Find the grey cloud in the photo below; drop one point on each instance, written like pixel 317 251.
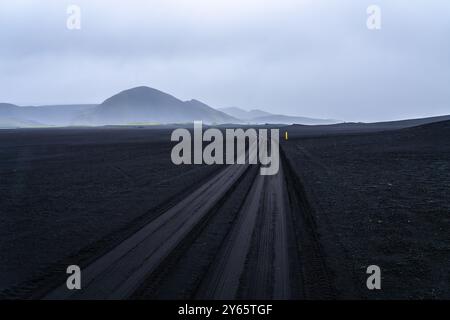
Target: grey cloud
pixel 309 58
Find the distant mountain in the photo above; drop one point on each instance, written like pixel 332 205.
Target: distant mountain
pixel 144 105
pixel 11 117
pixel 58 115
pixel 261 117
pixel 148 105
pixel 140 105
pixel 282 119
pixel 243 114
pixel 349 127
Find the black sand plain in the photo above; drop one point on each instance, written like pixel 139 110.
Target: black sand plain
pixel 356 198
pixel 383 199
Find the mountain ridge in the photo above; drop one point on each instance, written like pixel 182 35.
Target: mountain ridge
pixel 261 117
pixel 145 105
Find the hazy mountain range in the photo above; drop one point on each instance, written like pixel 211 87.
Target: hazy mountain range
pixel 261 117
pixel 57 115
pixel 140 105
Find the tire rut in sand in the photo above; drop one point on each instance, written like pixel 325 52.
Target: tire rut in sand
pixel 117 274
pixel 181 274
pixel 316 277
pixel 255 260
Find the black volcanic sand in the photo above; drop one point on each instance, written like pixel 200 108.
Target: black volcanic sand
pixel 64 192
pixel 68 195
pixel 382 199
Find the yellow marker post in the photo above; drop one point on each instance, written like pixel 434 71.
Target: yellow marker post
pixel 286 135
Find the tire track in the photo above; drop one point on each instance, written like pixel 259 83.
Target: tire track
pixel 278 197
pixel 255 259
pixel 182 272
pixel 316 279
pixel 223 280
pixel 119 272
pixel 271 250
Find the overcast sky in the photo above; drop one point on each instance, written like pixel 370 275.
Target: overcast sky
pixel 299 57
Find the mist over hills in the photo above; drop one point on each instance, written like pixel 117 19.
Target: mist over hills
pixel 36 116
pixel 140 105
pixel 145 105
pixel 244 114
pixel 148 105
pixel 257 116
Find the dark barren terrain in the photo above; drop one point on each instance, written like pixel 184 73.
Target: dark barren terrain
pixel 110 200
pixel 69 193
pixel 383 199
